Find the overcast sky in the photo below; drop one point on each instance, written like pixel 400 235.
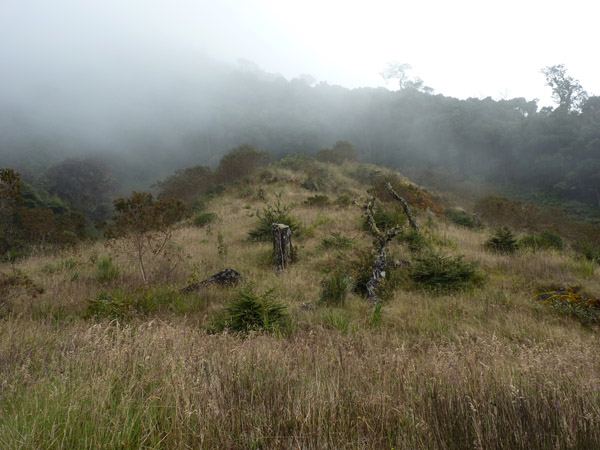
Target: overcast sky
pixel 460 48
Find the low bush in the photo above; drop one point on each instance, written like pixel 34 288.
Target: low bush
pixel 588 249
pixel 344 201
pixel 545 240
pixel 318 201
pixel 502 241
pixel 416 242
pixel 439 273
pixel 463 218
pixel 251 312
pixel 385 219
pixel 336 287
pixel 203 219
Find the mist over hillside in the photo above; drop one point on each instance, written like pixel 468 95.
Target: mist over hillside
pixel 145 121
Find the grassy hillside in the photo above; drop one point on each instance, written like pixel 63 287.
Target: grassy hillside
pixel 92 358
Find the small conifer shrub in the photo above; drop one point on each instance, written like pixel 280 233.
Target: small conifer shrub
pixel 502 241
pixel 439 273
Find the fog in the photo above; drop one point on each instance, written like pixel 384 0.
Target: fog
pixel 181 82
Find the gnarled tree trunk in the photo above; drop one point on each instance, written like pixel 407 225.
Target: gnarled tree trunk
pixel 380 264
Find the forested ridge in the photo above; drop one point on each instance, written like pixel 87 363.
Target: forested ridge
pixel 198 119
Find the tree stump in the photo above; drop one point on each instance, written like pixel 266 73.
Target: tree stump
pixel 283 251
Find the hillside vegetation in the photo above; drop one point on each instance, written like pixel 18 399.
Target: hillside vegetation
pixel 472 346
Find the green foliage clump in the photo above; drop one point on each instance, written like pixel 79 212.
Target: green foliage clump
pixel 502 241
pixel 545 240
pixel 203 219
pixel 337 241
pixel 463 218
pixel 318 201
pixel 437 273
pixel 106 270
pixel 385 219
pixel 273 213
pixel 416 242
pixel 251 312
pixel 336 287
pixel 314 183
pixel 344 201
pixel 588 249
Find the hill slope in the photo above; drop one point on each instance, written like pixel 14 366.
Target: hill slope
pixel 90 359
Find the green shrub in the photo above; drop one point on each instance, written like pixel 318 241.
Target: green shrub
pixel 337 241
pixel 336 288
pixel 106 270
pixel 462 218
pixel 250 312
pixel 385 219
pixel 273 213
pixel 203 219
pixel 317 201
pixel 439 273
pixel 502 241
pixel 547 239
pixel 588 249
pixel 313 183
pixel 344 201
pixel 415 241
pixel 360 268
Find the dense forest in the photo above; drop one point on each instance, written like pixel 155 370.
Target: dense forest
pixel 78 156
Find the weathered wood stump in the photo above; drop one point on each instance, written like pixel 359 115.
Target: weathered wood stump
pixel 283 251
pixel 227 277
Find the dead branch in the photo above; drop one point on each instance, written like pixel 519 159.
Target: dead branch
pixel 411 220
